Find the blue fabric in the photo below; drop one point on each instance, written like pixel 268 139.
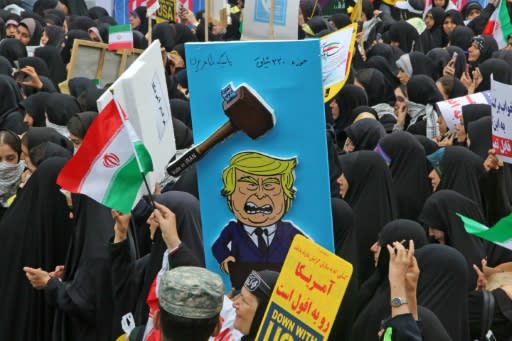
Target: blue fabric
pixel 243 248
pixel 121 12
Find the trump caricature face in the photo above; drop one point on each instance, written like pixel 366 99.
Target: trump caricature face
pixel 258 200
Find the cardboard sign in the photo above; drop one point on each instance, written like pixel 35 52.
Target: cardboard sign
pixel 451 110
pixel 336 50
pixel 263 23
pixel 93 60
pixel 167 10
pixel 142 93
pixel 278 181
pixel 307 294
pixel 501 120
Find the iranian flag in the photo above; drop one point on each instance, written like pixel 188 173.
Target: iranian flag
pixel 500 234
pixel 110 164
pixel 120 37
pixel 499 25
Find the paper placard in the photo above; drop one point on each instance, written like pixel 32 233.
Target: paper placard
pixel 307 295
pixel 451 109
pixel 336 51
pixel 502 120
pixel 259 26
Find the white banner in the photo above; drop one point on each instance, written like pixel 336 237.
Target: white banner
pixel 142 92
pixel 502 120
pixel 257 20
pixel 451 110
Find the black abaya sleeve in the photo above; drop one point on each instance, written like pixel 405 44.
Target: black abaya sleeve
pixel 184 257
pixel 56 294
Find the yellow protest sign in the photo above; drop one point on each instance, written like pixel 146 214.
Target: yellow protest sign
pixel 307 294
pixel 166 11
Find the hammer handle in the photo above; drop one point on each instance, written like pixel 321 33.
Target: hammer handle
pixel 192 155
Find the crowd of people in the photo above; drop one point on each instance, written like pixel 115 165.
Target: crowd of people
pixel 398 173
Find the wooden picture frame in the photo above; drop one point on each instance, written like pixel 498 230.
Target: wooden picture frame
pixel 93 60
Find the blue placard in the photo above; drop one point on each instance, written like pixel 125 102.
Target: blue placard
pixel 262 8
pixel 287 76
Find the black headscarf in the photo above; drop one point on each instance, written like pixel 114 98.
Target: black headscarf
pixel 82 23
pixel 12 49
pixel 340 20
pixel 38 135
pixel 183 34
pixel 139 41
pixel 35 232
pixel 61 107
pixel 439 213
pixel 10 115
pixel 5 66
pixel 422 89
pixel 180 109
pixel 87 278
pixel 439 58
pixel 70 38
pixel 374 293
pixel 85 118
pixel 166 34
pixel 348 98
pixel 406 35
pixel 55 35
pixel 409 171
pixel 487 46
pixel 372 199
pixel 376 86
pixel 51 55
pixel 436 32
pixel 455 15
pixel 480 136
pixel 460 61
pixel 37 63
pixel 365 133
pixel 46 150
pixel 188 222
pixel 34 106
pixel 432 328
pixel 472 112
pixel 383 50
pixel 388 69
pixel 140 12
pixel 443 287
pixel 428 145
pixel 421 64
pixel 461 36
pixel 97 12
pixel 78 85
pixel 497 67
pixel 461 171
pixel 506 55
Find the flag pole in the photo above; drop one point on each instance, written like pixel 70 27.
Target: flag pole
pixel 149 196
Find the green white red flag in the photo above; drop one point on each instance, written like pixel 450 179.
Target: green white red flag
pixel 499 25
pixel 120 37
pixel 110 164
pixel 500 233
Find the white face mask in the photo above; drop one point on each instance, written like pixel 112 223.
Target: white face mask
pixel 10 176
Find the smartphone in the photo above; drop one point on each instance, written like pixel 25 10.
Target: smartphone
pixel 466 68
pixel 454 57
pixel 21 77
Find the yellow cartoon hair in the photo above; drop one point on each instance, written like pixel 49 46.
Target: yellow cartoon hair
pixel 260 164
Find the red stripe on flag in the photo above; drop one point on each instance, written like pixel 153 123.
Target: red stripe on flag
pixel 489 28
pixel 104 128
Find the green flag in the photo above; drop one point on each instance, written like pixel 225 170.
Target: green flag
pixel 500 233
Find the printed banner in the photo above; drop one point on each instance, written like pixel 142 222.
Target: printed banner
pixel 451 109
pixel 270 175
pixel 257 20
pixel 336 51
pixel 307 294
pixel 502 120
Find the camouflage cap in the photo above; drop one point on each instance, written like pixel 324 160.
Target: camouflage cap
pixel 191 292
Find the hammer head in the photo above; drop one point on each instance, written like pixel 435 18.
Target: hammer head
pixel 248 112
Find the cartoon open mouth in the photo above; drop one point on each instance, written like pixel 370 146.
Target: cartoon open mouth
pixel 251 208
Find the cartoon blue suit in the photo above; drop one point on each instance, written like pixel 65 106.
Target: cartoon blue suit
pixel 245 251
